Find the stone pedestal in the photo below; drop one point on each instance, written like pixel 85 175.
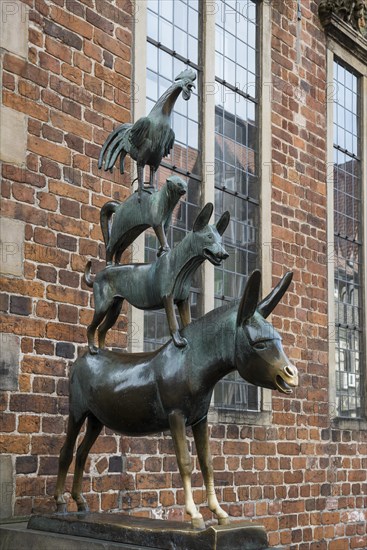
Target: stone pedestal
pixel 141 533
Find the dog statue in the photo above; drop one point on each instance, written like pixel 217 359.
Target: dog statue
pixel 163 283
pixel 132 217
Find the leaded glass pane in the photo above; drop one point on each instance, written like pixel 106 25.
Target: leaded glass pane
pixel 236 175
pixel 348 275
pixel 167 43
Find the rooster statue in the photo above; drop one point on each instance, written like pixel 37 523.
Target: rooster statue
pixel 151 138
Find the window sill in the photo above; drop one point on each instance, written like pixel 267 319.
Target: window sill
pixel 357 424
pixel 246 418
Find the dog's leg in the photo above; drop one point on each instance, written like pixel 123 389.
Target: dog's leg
pixel 172 322
pixel 161 236
pixel 185 312
pixel 109 321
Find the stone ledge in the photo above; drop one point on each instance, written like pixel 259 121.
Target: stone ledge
pixel 16 536
pixel 144 533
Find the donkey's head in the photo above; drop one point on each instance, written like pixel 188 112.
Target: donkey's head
pixel 207 239
pixel 260 358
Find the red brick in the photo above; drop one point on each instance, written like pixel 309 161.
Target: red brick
pixel 70 21
pixel 25 105
pixel 49 150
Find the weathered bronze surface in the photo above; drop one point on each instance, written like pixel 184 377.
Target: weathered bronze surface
pixel 171 388
pixel 132 217
pixel 165 282
pixel 149 533
pixel 151 138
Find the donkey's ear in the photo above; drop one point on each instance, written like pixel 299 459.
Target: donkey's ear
pixel 250 298
pixel 203 217
pixel 267 305
pixel 223 222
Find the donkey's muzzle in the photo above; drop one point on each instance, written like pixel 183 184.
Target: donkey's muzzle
pixel 286 379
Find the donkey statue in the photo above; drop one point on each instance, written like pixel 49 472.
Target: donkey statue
pixel 171 388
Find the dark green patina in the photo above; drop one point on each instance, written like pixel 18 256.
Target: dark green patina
pixel 171 388
pixel 151 138
pixel 165 282
pixel 132 217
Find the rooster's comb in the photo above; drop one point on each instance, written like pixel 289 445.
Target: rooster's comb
pixel 187 74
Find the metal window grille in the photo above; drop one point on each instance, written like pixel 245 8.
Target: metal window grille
pixel 173 44
pixel 236 170
pixel 348 275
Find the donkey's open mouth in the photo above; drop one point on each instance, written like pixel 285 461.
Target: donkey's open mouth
pixel 214 259
pixel 282 385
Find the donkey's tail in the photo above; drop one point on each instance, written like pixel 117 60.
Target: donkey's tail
pixel 106 213
pixel 87 279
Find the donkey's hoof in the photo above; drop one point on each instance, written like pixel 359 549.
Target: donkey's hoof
pixel 82 507
pixel 198 523
pixel 224 521
pixel 61 508
pixel 93 350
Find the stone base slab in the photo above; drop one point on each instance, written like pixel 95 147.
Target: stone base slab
pixel 97 531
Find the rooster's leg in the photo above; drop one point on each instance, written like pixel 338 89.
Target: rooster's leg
pixel 140 180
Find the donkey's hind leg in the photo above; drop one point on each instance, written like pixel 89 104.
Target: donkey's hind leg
pixel 94 428
pixel 66 456
pixel 109 321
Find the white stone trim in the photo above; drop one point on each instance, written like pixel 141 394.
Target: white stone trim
pixel 136 316
pixel 265 163
pixel 14 27
pixel 208 143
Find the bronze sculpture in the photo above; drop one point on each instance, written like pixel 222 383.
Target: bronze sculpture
pixel 163 283
pixel 171 388
pixel 151 138
pixel 131 218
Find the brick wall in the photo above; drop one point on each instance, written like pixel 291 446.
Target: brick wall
pixel 303 478
pixel 73 84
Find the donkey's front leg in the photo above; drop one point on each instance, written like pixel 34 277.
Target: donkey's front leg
pixel 201 437
pixel 178 431
pixel 172 322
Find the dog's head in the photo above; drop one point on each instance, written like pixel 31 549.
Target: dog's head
pixel 207 239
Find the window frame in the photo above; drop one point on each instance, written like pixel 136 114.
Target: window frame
pixel 206 61
pixel 335 50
